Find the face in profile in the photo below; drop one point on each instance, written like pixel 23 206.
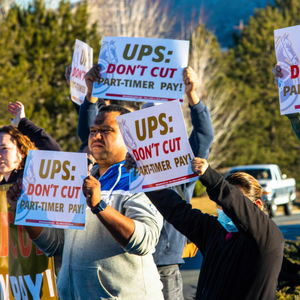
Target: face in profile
pixel 105 140
pixel 10 156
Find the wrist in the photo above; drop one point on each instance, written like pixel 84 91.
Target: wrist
pixel 193 98
pixel 91 99
pixel 98 207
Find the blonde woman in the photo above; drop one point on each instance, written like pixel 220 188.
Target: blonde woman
pixel 242 248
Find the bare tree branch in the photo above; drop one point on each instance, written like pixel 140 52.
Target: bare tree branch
pixel 225 118
pixel 143 18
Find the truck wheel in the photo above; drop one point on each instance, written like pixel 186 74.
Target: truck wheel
pixel 288 208
pixel 272 208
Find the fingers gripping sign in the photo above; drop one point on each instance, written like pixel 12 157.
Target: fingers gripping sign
pixel 277 71
pixel 14 193
pixel 68 74
pixel 199 165
pixel 92 191
pixel 93 75
pixel 130 163
pixel 190 80
pixel 17 109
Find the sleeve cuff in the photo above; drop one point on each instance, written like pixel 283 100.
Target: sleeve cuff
pixel 88 104
pixel 22 123
pixel 138 243
pixel 210 177
pixel 198 107
pixel 133 243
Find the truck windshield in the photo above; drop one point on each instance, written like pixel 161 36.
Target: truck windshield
pixel 256 173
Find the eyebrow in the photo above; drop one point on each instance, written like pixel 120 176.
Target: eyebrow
pixel 101 127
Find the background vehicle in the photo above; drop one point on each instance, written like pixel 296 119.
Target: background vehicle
pixel 277 189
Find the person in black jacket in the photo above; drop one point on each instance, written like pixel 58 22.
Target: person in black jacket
pixel 242 248
pixel 37 135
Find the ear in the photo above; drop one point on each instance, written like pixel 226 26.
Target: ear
pixel 259 203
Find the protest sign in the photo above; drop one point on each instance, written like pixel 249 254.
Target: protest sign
pixel 52 190
pixel 287 47
pixel 82 62
pixel 157 139
pixel 25 272
pixel 141 69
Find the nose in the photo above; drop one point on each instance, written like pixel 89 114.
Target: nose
pixel 95 133
pixel 98 134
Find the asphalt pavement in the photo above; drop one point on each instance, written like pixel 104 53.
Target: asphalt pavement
pixel 289 226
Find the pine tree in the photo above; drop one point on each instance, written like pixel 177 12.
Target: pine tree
pixel 210 63
pixel 36 46
pixel 265 136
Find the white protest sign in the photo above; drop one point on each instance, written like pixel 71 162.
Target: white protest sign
pixel 82 62
pixel 287 47
pixel 157 139
pixel 52 190
pixel 141 69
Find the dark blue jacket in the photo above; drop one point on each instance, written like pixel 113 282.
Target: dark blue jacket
pixel 171 242
pixel 295 122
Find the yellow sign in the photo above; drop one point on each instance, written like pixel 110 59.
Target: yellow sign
pixel 25 272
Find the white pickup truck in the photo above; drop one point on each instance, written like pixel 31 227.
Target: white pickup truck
pixel 277 189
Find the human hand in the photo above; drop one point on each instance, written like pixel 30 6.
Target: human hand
pixel 14 193
pixel 199 165
pixel 277 71
pixel 68 74
pixel 17 110
pixel 90 77
pixel 190 79
pixel 91 189
pixel 130 163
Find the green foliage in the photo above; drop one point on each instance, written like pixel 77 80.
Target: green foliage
pixel 289 279
pixel 265 136
pixel 285 294
pixel 199 189
pixel 36 44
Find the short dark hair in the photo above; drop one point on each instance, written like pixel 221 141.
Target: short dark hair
pixel 135 105
pixel 113 108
